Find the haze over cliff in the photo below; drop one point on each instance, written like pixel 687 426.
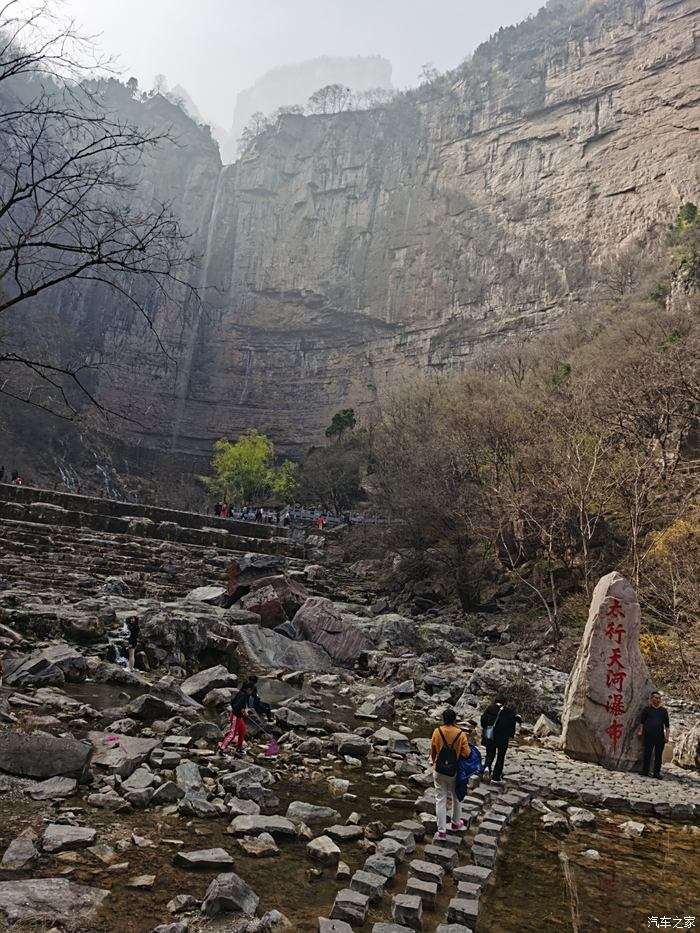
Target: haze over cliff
pixel 344 253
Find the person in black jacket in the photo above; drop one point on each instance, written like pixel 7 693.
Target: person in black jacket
pixel 654 729
pixel 245 701
pixel 498 728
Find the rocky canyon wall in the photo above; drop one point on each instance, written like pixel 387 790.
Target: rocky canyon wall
pixel 343 255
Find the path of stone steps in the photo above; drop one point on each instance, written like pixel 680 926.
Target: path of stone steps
pixel 413 882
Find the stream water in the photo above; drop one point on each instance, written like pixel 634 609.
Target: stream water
pixel 657 874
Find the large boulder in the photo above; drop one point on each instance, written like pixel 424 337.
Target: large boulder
pixel 85 629
pixel 242 572
pixel 291 593
pixel 51 666
pixel 266 603
pixel 228 894
pixel 320 622
pixel 40 755
pixel 49 901
pixel 262 648
pixel 198 685
pixel 609 684
pixel 686 748
pixel 120 754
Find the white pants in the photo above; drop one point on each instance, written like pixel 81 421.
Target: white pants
pixel 444 788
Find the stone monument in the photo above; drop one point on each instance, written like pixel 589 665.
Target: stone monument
pixel 609 684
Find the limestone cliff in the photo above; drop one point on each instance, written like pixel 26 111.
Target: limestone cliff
pixel 344 254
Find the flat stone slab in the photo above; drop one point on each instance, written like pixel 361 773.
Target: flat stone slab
pixel 369 883
pixel 204 858
pixel 489 842
pixel 468 889
pixel 449 842
pixel 254 825
pixel 414 827
pixel 404 837
pixel 391 847
pixel 453 928
pixel 50 900
pixel 345 833
pixel 54 788
pixel 60 838
pixel 20 853
pixel 323 850
pixel 426 871
pixel 463 910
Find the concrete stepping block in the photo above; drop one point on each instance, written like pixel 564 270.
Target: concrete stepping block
pixel 487 828
pixel 333 926
pixel 426 871
pixel 381 865
pixel 451 841
pixel 447 858
pixel 403 836
pixel 474 874
pixel 463 910
pixel 499 810
pixel 426 890
pixel 367 882
pixel 408 910
pixel 453 928
pixel 429 821
pixel 390 928
pixel 518 799
pixel 412 826
pixel 483 839
pixel 392 848
pixel 469 889
pixel 351 906
pixel 484 856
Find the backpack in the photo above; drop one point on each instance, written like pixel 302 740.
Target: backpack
pixel 465 769
pixel 489 730
pixel 446 761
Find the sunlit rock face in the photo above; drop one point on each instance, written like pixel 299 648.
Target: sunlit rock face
pixel 344 255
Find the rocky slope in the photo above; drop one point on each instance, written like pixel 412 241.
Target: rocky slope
pixel 345 254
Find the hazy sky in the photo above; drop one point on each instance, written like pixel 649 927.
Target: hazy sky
pixel 215 48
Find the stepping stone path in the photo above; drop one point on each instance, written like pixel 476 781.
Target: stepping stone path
pixel 461 864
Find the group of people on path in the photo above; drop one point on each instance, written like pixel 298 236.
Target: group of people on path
pixel 450 748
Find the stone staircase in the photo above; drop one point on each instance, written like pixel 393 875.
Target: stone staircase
pixel 72 546
pixel 25 504
pixel 416 883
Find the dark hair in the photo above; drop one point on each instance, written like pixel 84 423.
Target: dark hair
pixel 655 693
pixel 449 716
pixel 501 699
pixel 253 679
pixel 248 685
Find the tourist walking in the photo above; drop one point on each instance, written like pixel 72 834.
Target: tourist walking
pixel 654 730
pixel 448 745
pixel 134 632
pixel 243 703
pixel 498 723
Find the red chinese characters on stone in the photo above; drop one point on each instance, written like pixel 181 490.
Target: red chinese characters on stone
pixel 616 704
pixel 615 632
pixel 614 730
pixel 615 610
pixel 616 672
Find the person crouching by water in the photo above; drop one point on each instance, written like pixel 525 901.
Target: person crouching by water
pixel 448 745
pixel 243 703
pixel 134 632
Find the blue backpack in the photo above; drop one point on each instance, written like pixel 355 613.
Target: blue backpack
pixel 465 769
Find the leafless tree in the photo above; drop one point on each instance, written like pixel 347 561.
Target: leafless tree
pixel 71 214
